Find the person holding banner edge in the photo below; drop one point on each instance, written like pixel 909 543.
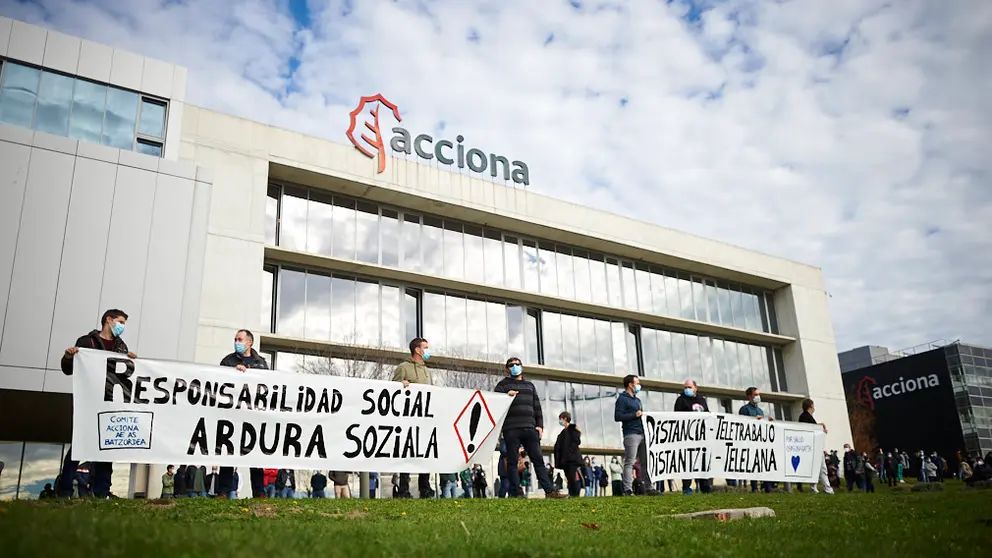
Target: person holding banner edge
pixel 414 371
pixel 627 411
pixel 524 426
pixel 807 417
pixel 751 409
pixel 691 401
pixel 243 358
pixel 108 338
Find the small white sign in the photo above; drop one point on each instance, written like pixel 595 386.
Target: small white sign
pixel 125 430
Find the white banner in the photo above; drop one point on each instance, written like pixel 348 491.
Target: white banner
pixel 151 411
pixel 711 445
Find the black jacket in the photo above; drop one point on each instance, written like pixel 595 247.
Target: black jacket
pixel 807 418
pixel 256 361
pixel 92 341
pixel 318 481
pixel 525 411
pixel 179 488
pixel 687 404
pixel 339 478
pixel 284 478
pixel 567 450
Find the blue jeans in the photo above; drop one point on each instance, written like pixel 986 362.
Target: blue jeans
pixel 448 490
pixel 467 488
pixel 590 488
pixel 270 491
pixel 531 442
pixel 197 494
pixel 287 493
pixel 318 494
pixel 504 487
pixel 232 495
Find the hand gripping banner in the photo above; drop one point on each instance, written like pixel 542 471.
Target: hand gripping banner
pixel 152 411
pixel 711 445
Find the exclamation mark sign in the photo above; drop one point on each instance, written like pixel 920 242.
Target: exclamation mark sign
pixel 473 425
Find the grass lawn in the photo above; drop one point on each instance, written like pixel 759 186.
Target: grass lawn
pixel 949 523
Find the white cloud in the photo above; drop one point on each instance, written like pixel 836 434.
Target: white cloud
pixel 750 126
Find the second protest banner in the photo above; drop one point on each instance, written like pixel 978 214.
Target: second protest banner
pixel 711 445
pixel 151 411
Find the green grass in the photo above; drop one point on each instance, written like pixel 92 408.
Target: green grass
pixel 948 523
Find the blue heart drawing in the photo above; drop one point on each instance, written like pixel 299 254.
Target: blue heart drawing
pixel 795 463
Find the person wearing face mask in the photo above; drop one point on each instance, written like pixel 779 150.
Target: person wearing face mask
pixel 807 417
pixel 414 371
pixel 628 411
pixel 524 426
pixel 107 338
pixel 616 473
pixel 243 358
pixel 690 401
pixel 751 409
pixel 568 455
pixel 854 469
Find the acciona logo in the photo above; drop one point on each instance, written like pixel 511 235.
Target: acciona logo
pixel 424 146
pixel 869 391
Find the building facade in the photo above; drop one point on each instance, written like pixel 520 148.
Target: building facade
pixel 200 223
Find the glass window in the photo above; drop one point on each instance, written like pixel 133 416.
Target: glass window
pixel 344 228
pixel 692 358
pixel 475 269
pixel 532 336
pixel 679 357
pixel 411 303
pixel 389 231
pixel 318 313
pixel 723 301
pixel 594 435
pixel 597 279
pixel 763 310
pixel 367 232
pixel 392 327
pixel 456 326
pixel 511 257
pixel 272 215
pixel 556 402
pixel 496 321
pixel 699 299
pixel 268 275
pixel 643 278
pixel 783 385
pixel 434 322
pixel 18 94
pixel 10 454
pixel 615 291
pixel 367 326
pixel 612 434
pixel 41 464
pixel 747 372
pixel 732 361
pixel 152 119
pixel 570 342
pixel 292 303
pixel 515 333
pixel 293 222
pixel 89 102
pixel 719 366
pixel 476 345
pixel 343 310
pixel 319 218
pixel 737 307
pixel 410 232
pixel 566 272
pixel 119 119
pixel 752 312
pixel 551 330
pixel 546 268
pixel 149 148
pixel 665 357
pixel 587 345
pixel 659 300
pixel 633 359
pixel 531 265
pixel 492 255
pixel 673 301
pixel 685 294
pixel 629 288
pixel 649 349
pixel 712 301
pixel 54 98
pixel 622 365
pixel 604 347
pixel 759 366
pixel 454 250
pixel 706 359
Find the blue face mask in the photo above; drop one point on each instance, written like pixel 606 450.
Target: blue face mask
pixel 516 370
pixel 427 354
pixel 117 329
pixel 689 392
pixel 637 388
pixel 561 423
pixel 239 347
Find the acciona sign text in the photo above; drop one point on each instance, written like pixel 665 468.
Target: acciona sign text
pixel 372 145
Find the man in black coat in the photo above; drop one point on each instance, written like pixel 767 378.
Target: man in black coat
pixel 568 456
pixel 107 338
pixel 524 426
pixel 807 417
pixel 691 402
pixel 243 358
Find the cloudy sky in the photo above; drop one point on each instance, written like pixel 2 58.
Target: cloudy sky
pixel 853 135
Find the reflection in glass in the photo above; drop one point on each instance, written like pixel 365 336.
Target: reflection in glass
pixel 629 288
pixel 708 368
pixel 41 464
pixel 271 215
pixel 343 310
pixel 699 299
pixel 737 307
pixel 476 345
pixel 268 274
pixel 531 266
pixel 679 358
pixel 343 229
pixel 531 321
pixel 759 366
pixel 566 272
pixel 672 299
pixel 685 296
pixel 89 100
pixel 367 232
pixel 665 356
pixel 659 300
pixel 515 332
pixel 512 258
pixel 712 301
pixel 612 433
pixel 10 454
pixel 492 258
pixel 597 279
pixel 546 269
pixel 604 347
pixel 18 94
pixel 555 404
pixel 649 348
pixel 411 303
pixel 621 365
pixel 752 312
pixel 723 302
pixel 747 371
pixel 411 242
pixel 152 119
pixel 631 340
pixel 119 120
pixel 551 330
pixel 570 342
pixel 293 224
pixel 475 268
pixel 320 223
pixel 614 290
pixel 769 299
pixel 497 327
pixel 594 416
pixel 456 328
pixel 583 285
pixel 318 312
pixel 292 303
pixel 392 327
pixel 719 363
pixel 54 97
pixel 454 250
pixel 643 280
pixel 587 345
pixel 155 150
pixel 389 229
pixel 731 360
pixel 367 313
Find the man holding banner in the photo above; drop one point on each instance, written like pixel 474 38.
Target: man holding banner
pixel 807 417
pixel 243 358
pixel 690 401
pixel 628 411
pixel 414 371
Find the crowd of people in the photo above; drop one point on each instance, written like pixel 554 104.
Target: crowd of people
pixel 521 464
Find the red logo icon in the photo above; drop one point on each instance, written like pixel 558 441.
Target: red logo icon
pixel 474 424
pixel 375 142
pixel 863 395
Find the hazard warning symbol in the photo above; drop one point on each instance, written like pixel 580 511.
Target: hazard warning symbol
pixel 474 424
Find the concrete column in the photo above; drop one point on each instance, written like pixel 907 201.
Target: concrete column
pixel 363 485
pixel 155 473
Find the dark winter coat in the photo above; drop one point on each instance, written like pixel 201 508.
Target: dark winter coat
pixel 690 404
pixel 625 412
pixel 567 450
pixel 525 411
pixel 254 361
pixel 92 340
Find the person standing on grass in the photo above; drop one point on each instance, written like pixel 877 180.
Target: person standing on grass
pixel 414 371
pixel 854 468
pixel 590 481
pixel 107 338
pixel 341 489
pixel 318 485
pixel 691 402
pixel 616 473
pixel 891 472
pixel 449 485
pixel 870 472
pixel 604 480
pixel 479 482
pixel 466 478
pixel 627 411
pixel 807 418
pixel 568 455
pixel 751 409
pixel 243 358
pixel 524 426
pixel 169 482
